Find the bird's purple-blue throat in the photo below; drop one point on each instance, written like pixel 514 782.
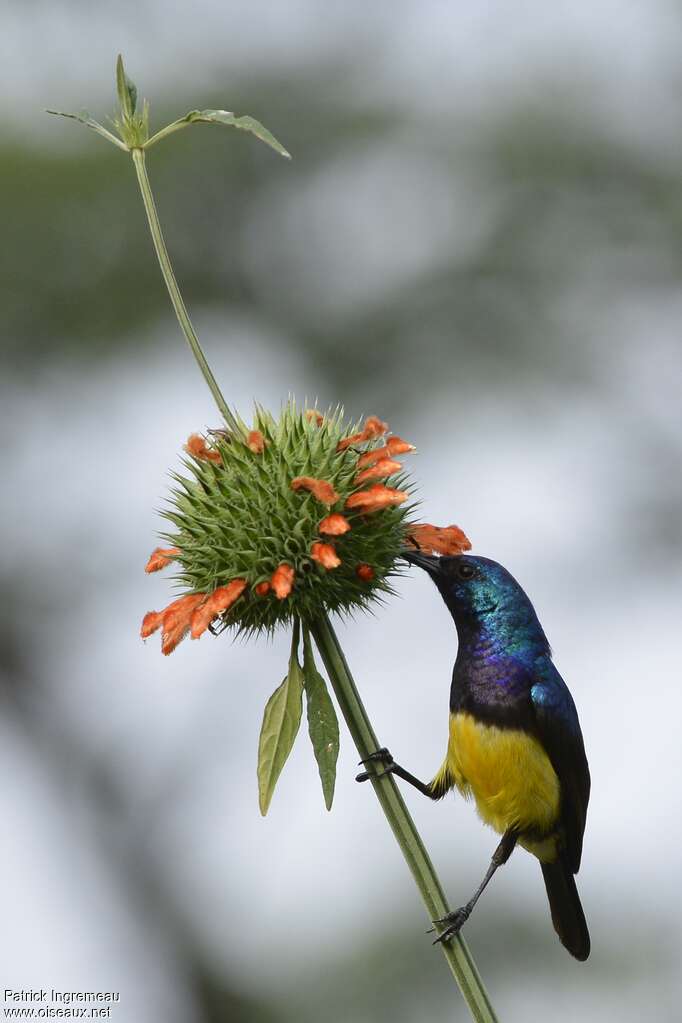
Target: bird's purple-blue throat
pixel 515 744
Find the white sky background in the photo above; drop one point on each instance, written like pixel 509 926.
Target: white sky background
pixel 431 52
pixel 536 487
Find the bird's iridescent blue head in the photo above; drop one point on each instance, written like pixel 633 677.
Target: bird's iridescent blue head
pixel 481 593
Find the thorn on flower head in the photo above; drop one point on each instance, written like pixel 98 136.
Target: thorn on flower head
pixel 325 555
pixel 381 469
pixel 321 490
pixel 378 496
pixel 282 581
pixel 334 525
pixel 160 557
pixel 449 540
pixel 196 446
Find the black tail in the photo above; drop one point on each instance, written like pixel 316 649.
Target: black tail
pixel 567 913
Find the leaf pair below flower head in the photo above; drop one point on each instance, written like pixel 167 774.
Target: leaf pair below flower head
pixel 282 719
pixel 323 725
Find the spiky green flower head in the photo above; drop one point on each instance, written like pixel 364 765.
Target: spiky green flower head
pixel 298 515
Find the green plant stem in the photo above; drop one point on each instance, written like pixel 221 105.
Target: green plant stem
pixel 163 133
pixel 408 838
pixel 174 291
pixel 359 725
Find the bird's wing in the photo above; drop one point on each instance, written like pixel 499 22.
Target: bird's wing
pixel 559 731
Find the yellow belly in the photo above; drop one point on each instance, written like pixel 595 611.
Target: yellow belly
pixel 509 776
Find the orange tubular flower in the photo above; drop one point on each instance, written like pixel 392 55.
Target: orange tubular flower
pixel 370 457
pixel 321 490
pixel 397 446
pixel 176 620
pixel 449 540
pixel 201 619
pixel 334 525
pixel 282 581
pixel 374 427
pixel 219 601
pixel 394 446
pixel 160 557
pixel 194 612
pixel 375 498
pixel 313 416
pixel 150 623
pixel 261 589
pixel 256 442
pixel 325 554
pixel 381 469
pixel 365 572
pixel 196 446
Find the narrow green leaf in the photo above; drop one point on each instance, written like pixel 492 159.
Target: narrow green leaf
pixel 323 724
pixel 127 90
pixel 229 120
pixel 281 721
pixel 244 123
pixel 84 118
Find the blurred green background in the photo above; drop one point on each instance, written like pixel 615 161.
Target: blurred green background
pixel 479 238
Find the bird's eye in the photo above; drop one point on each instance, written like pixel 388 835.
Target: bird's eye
pixel 466 571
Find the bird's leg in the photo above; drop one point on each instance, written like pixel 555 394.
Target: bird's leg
pixel 382 756
pixel 455 921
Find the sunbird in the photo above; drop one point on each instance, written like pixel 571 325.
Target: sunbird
pixel 515 744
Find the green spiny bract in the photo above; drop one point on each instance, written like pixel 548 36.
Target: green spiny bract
pixel 240 518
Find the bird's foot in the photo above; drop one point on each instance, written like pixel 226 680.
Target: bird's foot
pixel 380 756
pixel 452 923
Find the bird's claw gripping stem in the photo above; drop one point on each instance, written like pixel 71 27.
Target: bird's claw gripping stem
pixel 453 923
pixel 383 756
pixel 380 756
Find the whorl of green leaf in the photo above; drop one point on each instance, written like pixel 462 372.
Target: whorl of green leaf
pixel 131 124
pixel 241 519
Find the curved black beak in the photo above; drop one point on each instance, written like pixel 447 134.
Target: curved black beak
pixel 428 562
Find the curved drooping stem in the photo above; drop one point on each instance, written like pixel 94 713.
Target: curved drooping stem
pixel 174 291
